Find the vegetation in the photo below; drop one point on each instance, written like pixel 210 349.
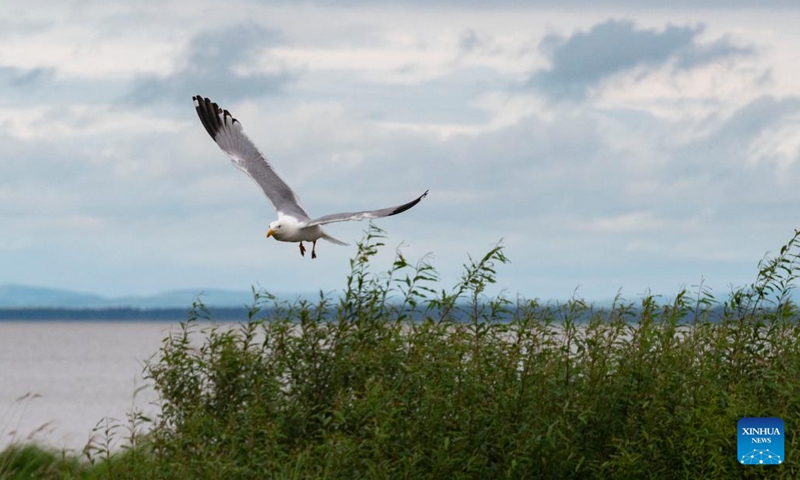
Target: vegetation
pixel 399 379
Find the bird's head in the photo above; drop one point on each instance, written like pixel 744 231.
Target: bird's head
pixel 285 228
pixel 275 229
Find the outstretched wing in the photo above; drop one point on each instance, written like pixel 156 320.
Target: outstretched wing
pixel 228 133
pixel 368 214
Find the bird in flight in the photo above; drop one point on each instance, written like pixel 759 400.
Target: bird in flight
pixel 293 223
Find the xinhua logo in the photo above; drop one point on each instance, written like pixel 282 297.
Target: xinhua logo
pixel 760 441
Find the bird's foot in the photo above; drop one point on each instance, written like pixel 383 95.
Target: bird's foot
pixel 302 250
pixel 314 249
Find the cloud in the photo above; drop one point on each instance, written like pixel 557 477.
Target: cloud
pixel 468 41
pixel 703 54
pixel 745 159
pixel 585 59
pixel 218 64
pixel 582 4
pixel 25 78
pixel 724 163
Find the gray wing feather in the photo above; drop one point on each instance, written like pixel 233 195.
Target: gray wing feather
pixel 229 135
pixel 366 214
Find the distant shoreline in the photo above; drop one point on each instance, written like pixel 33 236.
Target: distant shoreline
pixel 126 314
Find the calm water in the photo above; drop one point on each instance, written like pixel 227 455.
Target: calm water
pixel 81 372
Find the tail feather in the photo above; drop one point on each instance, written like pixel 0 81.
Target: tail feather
pixel 333 240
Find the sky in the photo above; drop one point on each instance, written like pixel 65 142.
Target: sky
pixel 613 146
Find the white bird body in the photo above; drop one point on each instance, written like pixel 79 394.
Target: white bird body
pixel 293 223
pixel 287 229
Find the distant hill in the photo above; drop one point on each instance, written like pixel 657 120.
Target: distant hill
pixel 22 296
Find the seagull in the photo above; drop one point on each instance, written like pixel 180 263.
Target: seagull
pixel 293 223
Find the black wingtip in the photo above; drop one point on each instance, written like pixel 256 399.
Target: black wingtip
pixel 404 207
pixel 211 115
pixel 207 111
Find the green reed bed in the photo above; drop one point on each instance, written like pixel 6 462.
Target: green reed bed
pixel 400 379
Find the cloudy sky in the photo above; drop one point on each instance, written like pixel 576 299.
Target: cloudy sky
pixel 611 145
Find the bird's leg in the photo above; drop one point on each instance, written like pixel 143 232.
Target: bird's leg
pixel 313 248
pixel 302 250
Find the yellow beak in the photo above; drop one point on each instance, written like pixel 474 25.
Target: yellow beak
pixel 270 232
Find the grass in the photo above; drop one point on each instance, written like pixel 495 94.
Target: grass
pixel 401 379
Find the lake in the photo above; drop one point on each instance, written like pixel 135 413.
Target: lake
pixel 75 374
